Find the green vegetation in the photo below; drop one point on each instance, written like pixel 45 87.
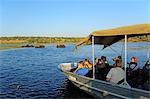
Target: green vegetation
pixel 57 40
pixel 49 40
pixel 34 40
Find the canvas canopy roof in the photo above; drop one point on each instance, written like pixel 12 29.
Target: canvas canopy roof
pixel 111 36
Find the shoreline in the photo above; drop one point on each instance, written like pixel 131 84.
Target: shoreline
pixel 55 40
pixel 19 44
pixel 19 41
pixel 9 47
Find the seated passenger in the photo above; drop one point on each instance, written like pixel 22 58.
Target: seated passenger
pixel 146 76
pixel 81 69
pixel 133 64
pixel 116 74
pixel 100 69
pixel 88 64
pixel 147 65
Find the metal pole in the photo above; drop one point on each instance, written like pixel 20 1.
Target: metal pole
pixel 148 49
pixel 93 57
pixel 125 55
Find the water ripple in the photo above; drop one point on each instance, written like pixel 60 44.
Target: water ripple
pixel 32 73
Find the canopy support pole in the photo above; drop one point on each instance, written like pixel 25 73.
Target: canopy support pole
pixel 125 55
pixel 125 64
pixel 93 57
pixel 125 83
pixel 148 49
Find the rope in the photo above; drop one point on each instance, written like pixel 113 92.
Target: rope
pixel 114 50
pixel 122 50
pixel 82 52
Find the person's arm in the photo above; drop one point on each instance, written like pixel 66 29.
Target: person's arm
pixel 95 64
pixel 109 76
pixel 108 79
pixel 76 70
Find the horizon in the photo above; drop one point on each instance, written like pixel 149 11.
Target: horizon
pixel 43 36
pixel 64 18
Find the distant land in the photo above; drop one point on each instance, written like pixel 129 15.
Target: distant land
pixel 54 40
pixel 16 42
pixel 41 40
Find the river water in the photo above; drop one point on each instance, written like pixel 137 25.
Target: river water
pixel 34 73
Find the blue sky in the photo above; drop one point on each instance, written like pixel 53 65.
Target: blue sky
pixel 69 18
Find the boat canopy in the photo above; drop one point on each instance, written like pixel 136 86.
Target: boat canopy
pixel 111 36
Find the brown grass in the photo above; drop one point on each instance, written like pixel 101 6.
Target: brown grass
pixel 12 41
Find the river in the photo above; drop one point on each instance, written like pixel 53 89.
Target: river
pixel 34 73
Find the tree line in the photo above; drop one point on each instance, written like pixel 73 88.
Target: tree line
pixel 33 40
pixel 41 39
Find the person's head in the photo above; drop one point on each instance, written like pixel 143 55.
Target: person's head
pixel 120 57
pixel 80 64
pixel 103 58
pixel 115 58
pixel 86 61
pixel 134 59
pixel 117 62
pixel 100 61
pixel 148 63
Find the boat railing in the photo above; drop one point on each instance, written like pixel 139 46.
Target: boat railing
pixel 107 87
pixel 65 67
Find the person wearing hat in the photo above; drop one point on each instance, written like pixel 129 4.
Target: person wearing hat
pixel 116 74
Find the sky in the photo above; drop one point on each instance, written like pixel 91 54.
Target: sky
pixel 69 18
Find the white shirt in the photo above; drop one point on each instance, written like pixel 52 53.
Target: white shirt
pixel 116 74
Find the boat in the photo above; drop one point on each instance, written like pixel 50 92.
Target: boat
pixel 102 89
pixel 60 46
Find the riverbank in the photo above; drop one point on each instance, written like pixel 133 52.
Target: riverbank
pixel 54 40
pixel 36 40
pixel 49 40
pixel 9 47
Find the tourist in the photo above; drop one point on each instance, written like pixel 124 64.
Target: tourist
pixel 100 67
pixel 81 69
pixel 133 66
pixel 116 74
pixel 88 64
